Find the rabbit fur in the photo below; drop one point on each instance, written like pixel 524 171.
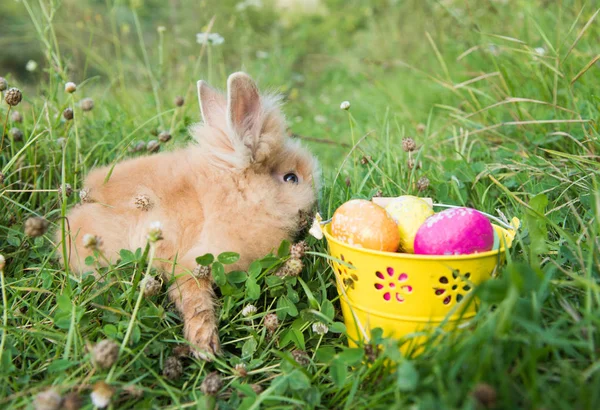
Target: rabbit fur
pixel 229 192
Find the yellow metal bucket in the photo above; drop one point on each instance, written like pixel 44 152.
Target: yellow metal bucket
pixel 404 294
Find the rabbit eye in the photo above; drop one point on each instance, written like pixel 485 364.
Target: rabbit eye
pixel 290 177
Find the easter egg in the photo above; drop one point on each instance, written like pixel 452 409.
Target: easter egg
pixel 409 212
pixel 361 223
pixel 456 231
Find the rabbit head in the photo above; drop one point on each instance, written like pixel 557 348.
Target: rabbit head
pixel 244 136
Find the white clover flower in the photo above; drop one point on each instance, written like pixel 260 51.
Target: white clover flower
pixel 345 105
pixel 155 231
pixel 101 395
pixel 249 310
pixel 31 66
pixel 161 29
pixel 214 39
pixel 320 328
pixel 540 51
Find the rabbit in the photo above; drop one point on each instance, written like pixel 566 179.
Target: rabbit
pixel 244 187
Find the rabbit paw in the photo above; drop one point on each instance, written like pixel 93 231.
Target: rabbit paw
pixel 202 332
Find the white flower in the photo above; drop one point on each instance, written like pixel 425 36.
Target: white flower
pixel 209 38
pixel 320 328
pixel 101 395
pixel 345 105
pixel 155 232
pixel 243 5
pixel 2 262
pixel 70 87
pixel 31 66
pixel 262 54
pixel 249 310
pixel 91 242
pixel 540 50
pixel 161 29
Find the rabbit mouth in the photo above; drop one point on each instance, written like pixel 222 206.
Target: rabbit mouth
pixel 305 218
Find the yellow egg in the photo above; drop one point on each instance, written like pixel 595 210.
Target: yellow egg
pixel 361 223
pixel 409 213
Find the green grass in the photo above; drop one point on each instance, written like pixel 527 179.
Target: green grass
pixel 499 126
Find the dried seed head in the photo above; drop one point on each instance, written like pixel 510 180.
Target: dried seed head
pixel 3 84
pixel 298 250
pixel 485 395
pixel 408 144
pixel 105 353
pixel 182 351
pixel 172 369
pixel 13 96
pixel 345 105
pixel 366 159
pixel 257 388
pixel 271 322
pixel 422 184
pixel 301 357
pixel 36 226
pixel 47 400
pixel 249 310
pixel 91 242
pixel 155 232
pixel 240 370
pixel 1 178
pixel 16 134
pixel 371 352
pixel 133 391
pixel 101 394
pixel 201 271
pixel 68 113
pixel 72 401
pixel 212 384
pixel 142 202
pixel 320 328
pixel 164 136
pixel 84 196
pixel 421 128
pixel 291 267
pixel 87 104
pixel 153 287
pixel 68 190
pixel 16 116
pixel 153 146
pixel 70 87
pixel 410 163
pixel 2 262
pixel 179 101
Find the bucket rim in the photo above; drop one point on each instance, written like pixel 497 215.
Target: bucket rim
pixel 507 239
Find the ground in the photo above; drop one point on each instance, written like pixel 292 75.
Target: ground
pixel 501 99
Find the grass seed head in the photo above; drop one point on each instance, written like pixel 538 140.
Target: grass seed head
pixel 16 116
pixel 422 184
pixel 72 401
pixel 271 322
pixel 68 113
pixel 211 384
pixel 101 394
pixel 70 87
pixel 164 136
pixel 153 287
pixel 13 96
pixel 91 242
pixel 485 395
pixel 105 353
pixel 36 226
pixel 47 400
pixel 16 134
pixel 87 104
pixel 172 369
pixel 153 146
pixel 3 84
pixel 179 101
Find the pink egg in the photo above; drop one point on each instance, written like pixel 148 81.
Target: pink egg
pixel 455 231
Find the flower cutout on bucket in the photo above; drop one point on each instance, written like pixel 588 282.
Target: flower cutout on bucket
pixel 393 285
pixel 453 287
pixel 346 274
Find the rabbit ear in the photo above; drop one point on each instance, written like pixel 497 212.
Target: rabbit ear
pixel 243 107
pixel 212 105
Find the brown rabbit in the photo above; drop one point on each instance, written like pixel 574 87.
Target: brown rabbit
pixel 244 187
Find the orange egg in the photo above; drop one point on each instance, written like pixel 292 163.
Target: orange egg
pixel 361 223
